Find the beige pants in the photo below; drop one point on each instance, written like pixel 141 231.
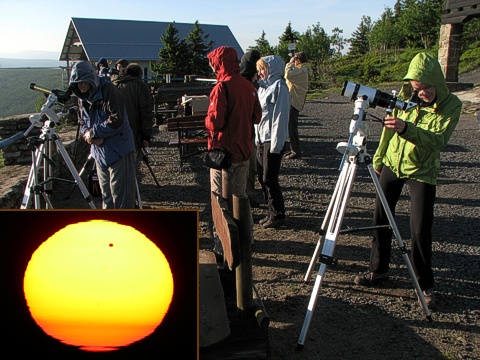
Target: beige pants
pixel 237 173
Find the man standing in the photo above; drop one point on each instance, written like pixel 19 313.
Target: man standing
pixel 297 73
pixel 106 128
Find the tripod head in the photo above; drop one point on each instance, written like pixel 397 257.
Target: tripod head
pixel 359 131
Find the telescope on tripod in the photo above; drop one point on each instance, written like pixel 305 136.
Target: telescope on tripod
pixel 354 153
pixel 42 150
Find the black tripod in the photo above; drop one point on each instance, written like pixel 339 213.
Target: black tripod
pixel 354 153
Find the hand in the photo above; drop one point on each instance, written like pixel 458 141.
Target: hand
pixel 88 137
pixel 394 123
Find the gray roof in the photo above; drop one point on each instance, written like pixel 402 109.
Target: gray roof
pixel 92 39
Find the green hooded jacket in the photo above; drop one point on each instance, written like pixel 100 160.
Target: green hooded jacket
pixel 415 154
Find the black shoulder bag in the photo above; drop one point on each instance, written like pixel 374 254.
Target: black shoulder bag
pixel 219 158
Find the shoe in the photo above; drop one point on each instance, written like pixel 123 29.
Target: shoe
pixel 253 203
pixel 370 279
pixel 273 223
pixel 429 298
pixel 292 156
pixel 264 220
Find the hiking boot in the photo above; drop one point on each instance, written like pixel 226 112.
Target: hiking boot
pixel 293 155
pixel 273 223
pixel 370 279
pixel 264 220
pixel 429 298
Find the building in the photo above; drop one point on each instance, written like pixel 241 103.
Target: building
pixel 136 41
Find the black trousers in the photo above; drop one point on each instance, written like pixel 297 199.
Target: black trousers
pixel 293 131
pixel 268 169
pixel 422 198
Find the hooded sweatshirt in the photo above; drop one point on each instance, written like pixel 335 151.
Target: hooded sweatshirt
pixel 103 112
pixel 234 107
pixel 275 101
pixel 415 154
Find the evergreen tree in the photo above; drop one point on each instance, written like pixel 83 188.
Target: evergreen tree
pixel 288 37
pixel 170 56
pixel 419 22
pixel 197 47
pixel 359 43
pixel 316 44
pixel 263 46
pixel 338 41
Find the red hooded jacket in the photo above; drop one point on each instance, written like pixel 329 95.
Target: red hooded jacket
pixel 239 101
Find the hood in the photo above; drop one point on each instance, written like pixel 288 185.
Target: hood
pixel 82 71
pixel 276 67
pixel 102 61
pixel 251 55
pixel 224 61
pixel 426 69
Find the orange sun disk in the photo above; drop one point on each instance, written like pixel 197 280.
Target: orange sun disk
pixel 98 285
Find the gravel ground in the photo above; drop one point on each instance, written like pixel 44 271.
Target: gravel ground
pixel 349 322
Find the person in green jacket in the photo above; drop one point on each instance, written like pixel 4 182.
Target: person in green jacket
pixel 409 153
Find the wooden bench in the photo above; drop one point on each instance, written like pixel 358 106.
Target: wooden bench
pixel 190 133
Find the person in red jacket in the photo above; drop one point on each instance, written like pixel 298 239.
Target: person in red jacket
pixel 234 109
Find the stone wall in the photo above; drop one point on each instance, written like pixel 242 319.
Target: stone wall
pixel 19 153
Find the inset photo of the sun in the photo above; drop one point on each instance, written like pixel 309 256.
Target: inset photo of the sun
pixel 100 284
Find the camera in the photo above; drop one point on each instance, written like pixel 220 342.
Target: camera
pixel 378 98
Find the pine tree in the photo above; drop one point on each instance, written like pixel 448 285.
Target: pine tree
pixel 359 43
pixel 263 46
pixel 170 56
pixel 197 48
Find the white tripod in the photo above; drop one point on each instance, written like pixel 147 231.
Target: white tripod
pixel 354 153
pixel 42 149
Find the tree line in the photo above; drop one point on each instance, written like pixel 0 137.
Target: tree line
pixel 410 24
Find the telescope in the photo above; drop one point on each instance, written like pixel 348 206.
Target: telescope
pixel 379 98
pixel 62 96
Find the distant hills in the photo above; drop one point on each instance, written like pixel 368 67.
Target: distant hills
pixel 30 59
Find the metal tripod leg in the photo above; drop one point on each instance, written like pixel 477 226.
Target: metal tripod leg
pixel 313 261
pixel 400 244
pixel 87 163
pixel 32 188
pixel 73 171
pixel 335 216
pixel 137 190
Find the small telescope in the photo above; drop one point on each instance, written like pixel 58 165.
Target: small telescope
pixel 378 98
pixel 62 96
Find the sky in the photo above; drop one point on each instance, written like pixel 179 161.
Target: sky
pixel 32 25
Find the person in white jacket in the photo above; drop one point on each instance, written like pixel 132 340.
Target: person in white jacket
pixel 271 135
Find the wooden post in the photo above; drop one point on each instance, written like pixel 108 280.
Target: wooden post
pixel 241 214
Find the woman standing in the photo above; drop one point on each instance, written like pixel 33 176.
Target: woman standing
pixel 271 135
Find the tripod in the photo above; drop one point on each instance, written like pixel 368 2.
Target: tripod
pixel 42 149
pixel 354 154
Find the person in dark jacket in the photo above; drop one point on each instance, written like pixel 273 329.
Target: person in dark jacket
pixel 248 69
pixel 106 128
pixel 139 103
pixel 102 67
